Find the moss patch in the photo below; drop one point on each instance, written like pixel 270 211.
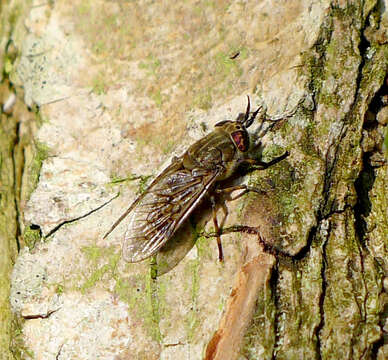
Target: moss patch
pixel 103 262
pixel 192 320
pixel 41 153
pixel 31 236
pixel 140 293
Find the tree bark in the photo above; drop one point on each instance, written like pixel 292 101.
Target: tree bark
pixel 108 92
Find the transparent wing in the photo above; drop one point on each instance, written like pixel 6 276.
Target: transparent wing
pixel 158 213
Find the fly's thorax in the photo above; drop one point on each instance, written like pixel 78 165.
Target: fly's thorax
pixel 214 149
pixel 226 146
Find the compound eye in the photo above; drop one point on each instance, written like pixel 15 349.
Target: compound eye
pixel 241 140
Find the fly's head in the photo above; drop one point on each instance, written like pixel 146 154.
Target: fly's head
pixel 237 130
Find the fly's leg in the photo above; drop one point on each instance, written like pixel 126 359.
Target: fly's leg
pixel 245 189
pixel 263 165
pixel 225 211
pixel 240 228
pixel 217 229
pixel 248 230
pixel 220 230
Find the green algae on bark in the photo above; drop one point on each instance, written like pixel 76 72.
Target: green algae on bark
pixel 8 227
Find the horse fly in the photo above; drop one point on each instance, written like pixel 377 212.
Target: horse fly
pixel 160 210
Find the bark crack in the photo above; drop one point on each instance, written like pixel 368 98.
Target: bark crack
pixel 362 209
pixel 56 228
pixel 16 183
pixel 40 316
pixel 277 315
pixel 331 160
pixel 173 345
pixel 363 185
pixel 59 352
pixel 324 232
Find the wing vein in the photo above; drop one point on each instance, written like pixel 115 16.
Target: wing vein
pixel 162 218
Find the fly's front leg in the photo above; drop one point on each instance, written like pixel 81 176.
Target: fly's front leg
pixel 263 165
pixel 217 229
pixel 246 188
